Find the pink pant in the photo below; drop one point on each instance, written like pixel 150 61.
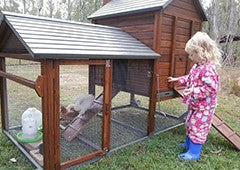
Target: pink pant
pixel 198 124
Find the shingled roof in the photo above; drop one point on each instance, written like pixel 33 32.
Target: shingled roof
pixel 126 7
pixel 58 39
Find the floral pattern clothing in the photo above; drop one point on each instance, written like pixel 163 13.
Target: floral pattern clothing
pixel 204 81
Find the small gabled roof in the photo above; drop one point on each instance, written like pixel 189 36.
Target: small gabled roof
pixel 126 7
pixel 58 39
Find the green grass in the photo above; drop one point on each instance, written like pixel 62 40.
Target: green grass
pixel 159 152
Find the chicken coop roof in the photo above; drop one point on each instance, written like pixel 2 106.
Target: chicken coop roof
pixel 126 7
pixel 58 39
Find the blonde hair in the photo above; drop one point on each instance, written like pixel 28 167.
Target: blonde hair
pixel 203 49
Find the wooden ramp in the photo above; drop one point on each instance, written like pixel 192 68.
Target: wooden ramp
pixel 220 125
pixel 75 127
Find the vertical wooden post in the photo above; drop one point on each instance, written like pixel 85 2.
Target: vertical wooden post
pixel 50 106
pixel 173 57
pixel 188 60
pixel 3 93
pixel 153 93
pixel 107 105
pixel 91 80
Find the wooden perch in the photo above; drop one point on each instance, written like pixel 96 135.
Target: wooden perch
pixel 80 122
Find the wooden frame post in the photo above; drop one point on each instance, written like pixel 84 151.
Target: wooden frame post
pixel 188 62
pixel 107 106
pixel 153 92
pixel 50 106
pixel 173 56
pixel 3 93
pixel 91 80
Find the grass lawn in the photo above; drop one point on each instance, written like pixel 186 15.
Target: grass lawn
pixel 159 152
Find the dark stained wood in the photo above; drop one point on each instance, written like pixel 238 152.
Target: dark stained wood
pixel 79 160
pixel 188 60
pixel 82 62
pixel 167 19
pixel 39 83
pixel 137 80
pixel 23 81
pixel 50 107
pixel 10 43
pixel 5 39
pixel 172 38
pixel 155 76
pixel 91 78
pixel 166 36
pixel 107 105
pixel 3 95
pixel 56 113
pixel 24 56
pixel 185 5
pixel 140 26
pixel 172 66
pixel 134 76
pixel 177 9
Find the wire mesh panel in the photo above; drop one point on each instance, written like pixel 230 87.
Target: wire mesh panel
pixel 131 86
pixel 81 107
pixel 20 99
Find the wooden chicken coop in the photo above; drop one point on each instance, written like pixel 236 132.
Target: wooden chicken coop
pixel 163 25
pixel 129 50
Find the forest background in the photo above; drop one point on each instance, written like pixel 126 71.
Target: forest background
pixel 223 17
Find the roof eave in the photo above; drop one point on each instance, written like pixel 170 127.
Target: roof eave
pixel 202 12
pixel 87 56
pixel 127 13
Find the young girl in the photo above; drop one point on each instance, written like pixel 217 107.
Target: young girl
pixel 200 94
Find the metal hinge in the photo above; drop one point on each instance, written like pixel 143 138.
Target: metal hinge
pixel 108 63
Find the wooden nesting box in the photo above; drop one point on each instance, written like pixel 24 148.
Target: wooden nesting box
pixel 163 25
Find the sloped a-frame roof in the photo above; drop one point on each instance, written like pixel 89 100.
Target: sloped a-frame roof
pixel 126 7
pixel 58 39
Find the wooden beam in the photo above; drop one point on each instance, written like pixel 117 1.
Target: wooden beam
pixel 20 80
pixel 79 160
pixel 24 56
pixel 153 100
pixel 91 78
pixel 38 85
pixel 50 107
pixel 172 66
pixel 153 95
pixel 82 62
pixel 188 59
pixel 3 95
pixel 56 115
pixel 107 105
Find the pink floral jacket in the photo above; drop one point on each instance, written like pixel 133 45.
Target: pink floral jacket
pixel 205 82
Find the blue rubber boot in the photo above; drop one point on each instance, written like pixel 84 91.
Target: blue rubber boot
pixel 186 143
pixel 193 153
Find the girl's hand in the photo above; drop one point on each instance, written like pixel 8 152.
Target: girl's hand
pixel 172 79
pixel 189 91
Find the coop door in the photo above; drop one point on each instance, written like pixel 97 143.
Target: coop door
pixel 82 101
pixel 184 30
